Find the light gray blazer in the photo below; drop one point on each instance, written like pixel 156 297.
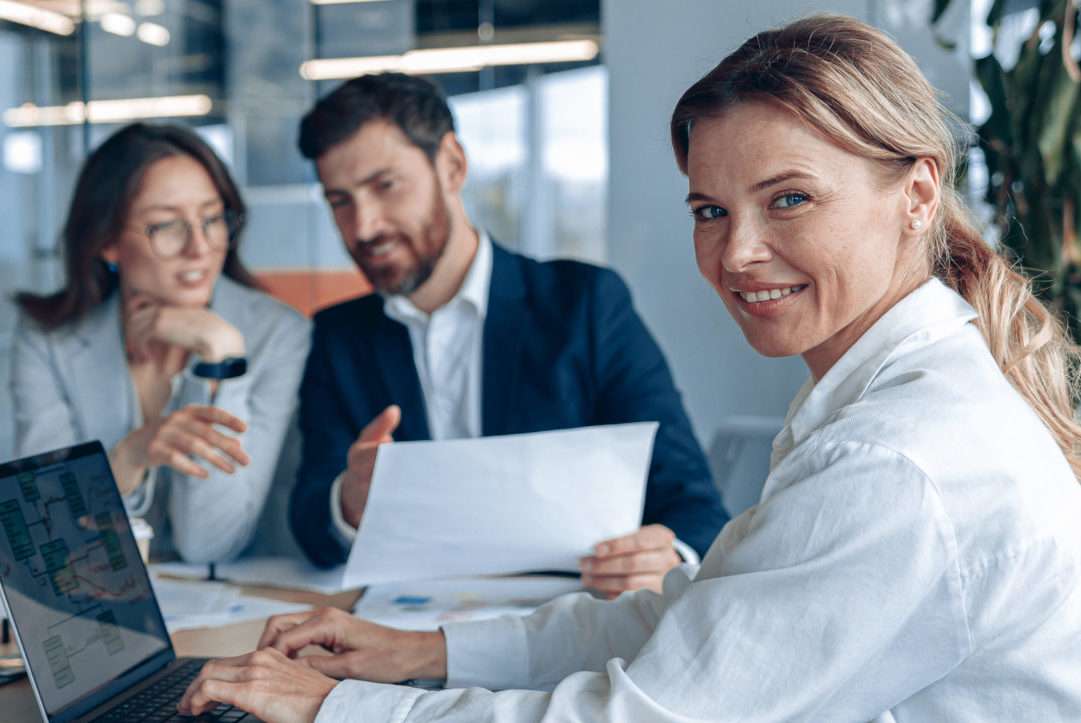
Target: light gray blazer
pixel 72 384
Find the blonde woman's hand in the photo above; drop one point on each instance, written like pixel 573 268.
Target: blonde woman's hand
pixel 359 649
pixel 198 330
pixel 264 683
pixel 186 440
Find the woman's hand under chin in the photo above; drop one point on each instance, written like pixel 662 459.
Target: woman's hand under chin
pixel 195 329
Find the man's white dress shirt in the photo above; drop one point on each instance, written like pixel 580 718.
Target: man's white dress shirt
pixel 915 556
pixel 447 352
pixel 448 348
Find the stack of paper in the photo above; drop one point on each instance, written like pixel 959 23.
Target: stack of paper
pixel 186 605
pixel 428 604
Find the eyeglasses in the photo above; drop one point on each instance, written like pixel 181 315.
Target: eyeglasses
pixel 169 238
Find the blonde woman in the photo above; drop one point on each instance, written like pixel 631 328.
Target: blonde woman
pixel 916 553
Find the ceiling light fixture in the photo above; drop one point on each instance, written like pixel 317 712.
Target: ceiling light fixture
pixel 108 111
pixel 118 24
pixel 47 20
pixel 452 60
pixel 153 34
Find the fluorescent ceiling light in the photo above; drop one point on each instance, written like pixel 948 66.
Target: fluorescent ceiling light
pixel 452 60
pixel 47 20
pixel 153 34
pixel 118 24
pixel 108 111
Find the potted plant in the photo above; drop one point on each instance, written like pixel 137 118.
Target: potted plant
pixel 1032 145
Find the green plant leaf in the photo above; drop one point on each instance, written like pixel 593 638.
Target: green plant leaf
pixel 1054 132
pixel 1032 145
pixel 992 79
pixel 940 9
pixel 1070 183
pixel 1020 84
pixel 1053 121
pixel 994 15
pixel 945 43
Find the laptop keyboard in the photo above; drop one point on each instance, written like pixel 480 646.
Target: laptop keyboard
pixel 157 703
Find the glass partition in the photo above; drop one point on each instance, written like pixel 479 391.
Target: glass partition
pixel 74 71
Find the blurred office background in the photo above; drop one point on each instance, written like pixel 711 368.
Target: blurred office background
pixel 566 135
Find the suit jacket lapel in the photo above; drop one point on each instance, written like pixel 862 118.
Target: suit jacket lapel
pixel 504 324
pixel 394 356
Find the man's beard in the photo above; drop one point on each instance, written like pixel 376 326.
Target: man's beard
pixel 436 230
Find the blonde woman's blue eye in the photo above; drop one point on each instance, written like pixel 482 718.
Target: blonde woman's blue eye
pixel 789 200
pixel 708 213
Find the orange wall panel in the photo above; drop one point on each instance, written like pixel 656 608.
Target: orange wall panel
pixel 308 290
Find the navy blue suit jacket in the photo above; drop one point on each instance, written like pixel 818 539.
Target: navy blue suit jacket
pixel 562 347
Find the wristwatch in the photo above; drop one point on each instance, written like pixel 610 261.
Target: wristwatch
pixel 228 368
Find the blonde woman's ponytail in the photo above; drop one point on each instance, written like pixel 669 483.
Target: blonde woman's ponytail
pixel 1027 341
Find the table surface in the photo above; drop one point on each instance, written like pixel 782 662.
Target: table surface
pixel 17 699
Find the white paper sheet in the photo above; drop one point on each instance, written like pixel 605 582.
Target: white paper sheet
pixel 283 572
pixel 499 505
pixel 186 605
pixel 427 604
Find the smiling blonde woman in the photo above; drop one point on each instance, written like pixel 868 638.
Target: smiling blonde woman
pixel 916 553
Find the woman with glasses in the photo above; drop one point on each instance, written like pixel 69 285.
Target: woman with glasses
pixel 161 345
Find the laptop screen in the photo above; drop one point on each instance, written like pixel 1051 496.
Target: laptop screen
pixel 77 590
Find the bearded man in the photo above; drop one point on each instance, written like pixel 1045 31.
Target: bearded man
pixel 464 338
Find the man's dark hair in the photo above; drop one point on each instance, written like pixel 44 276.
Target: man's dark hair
pixel 417 106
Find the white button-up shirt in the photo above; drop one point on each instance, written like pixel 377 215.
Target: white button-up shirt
pixel 915 556
pixel 447 352
pixel 447 349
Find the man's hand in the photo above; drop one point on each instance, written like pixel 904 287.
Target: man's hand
pixel 360 649
pixel 357 477
pixel 265 683
pixel 635 561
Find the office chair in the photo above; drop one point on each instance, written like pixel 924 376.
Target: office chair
pixel 739 458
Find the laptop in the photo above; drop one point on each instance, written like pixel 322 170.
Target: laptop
pixel 79 597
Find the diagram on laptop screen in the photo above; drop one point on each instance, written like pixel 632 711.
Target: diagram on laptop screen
pixel 79 595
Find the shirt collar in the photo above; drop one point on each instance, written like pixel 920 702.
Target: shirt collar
pixel 929 313
pixel 474 288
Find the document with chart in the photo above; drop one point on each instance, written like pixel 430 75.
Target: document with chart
pixel 499 505
pixel 77 590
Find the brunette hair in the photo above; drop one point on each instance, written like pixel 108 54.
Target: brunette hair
pixel 107 183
